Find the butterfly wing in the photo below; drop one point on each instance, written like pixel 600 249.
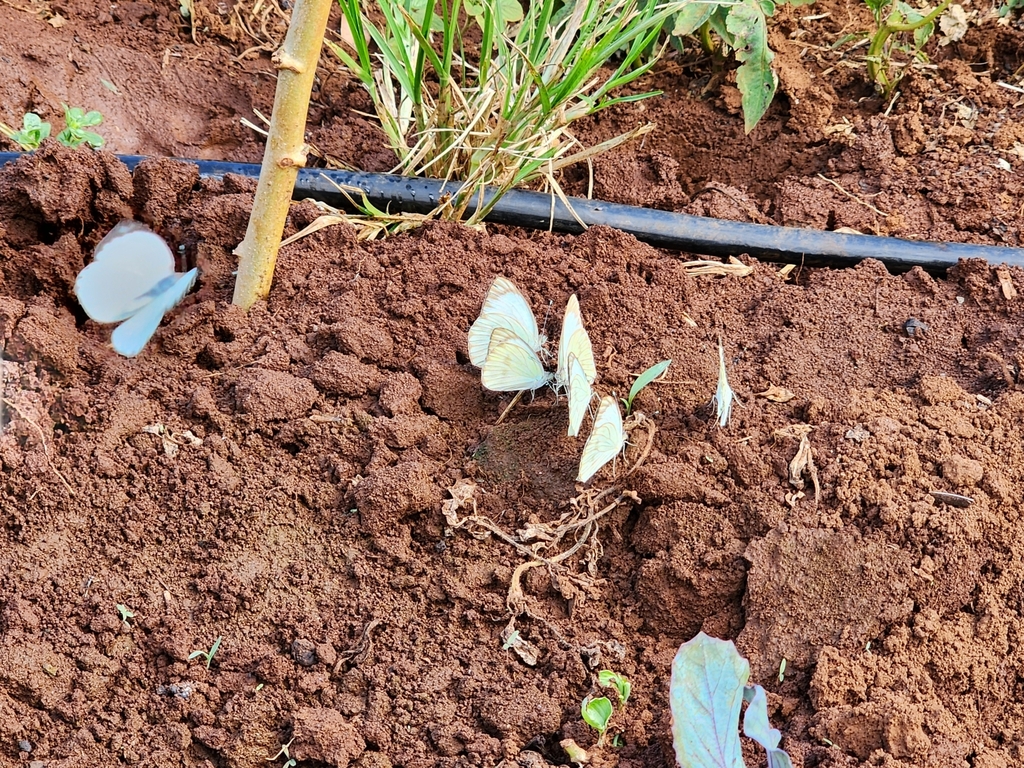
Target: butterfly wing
pixel 131 336
pixel 128 264
pixel 606 439
pixel 504 307
pixel 574 341
pixel 511 364
pixel 580 394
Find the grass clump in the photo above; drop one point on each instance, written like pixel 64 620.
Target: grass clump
pixel 500 119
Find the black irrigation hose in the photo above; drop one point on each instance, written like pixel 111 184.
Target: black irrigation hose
pixel 675 231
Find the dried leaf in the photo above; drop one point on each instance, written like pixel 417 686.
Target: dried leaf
pixel 462 493
pixel 777 394
pixel 511 640
pixel 1006 283
pixel 858 433
pixel 716 268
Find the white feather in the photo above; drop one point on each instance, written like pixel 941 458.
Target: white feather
pixel 504 307
pixel 574 341
pixel 580 395
pixel 131 278
pixel 606 439
pixel 511 365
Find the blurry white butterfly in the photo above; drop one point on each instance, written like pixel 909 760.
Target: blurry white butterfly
pixel 606 440
pixel 131 278
pixel 504 307
pixel 580 395
pixel 574 345
pixel 511 365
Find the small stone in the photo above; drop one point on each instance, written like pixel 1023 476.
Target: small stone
pixel 24 745
pixel 913 327
pixel 304 653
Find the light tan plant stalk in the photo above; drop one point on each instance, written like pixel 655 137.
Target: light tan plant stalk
pixel 286 150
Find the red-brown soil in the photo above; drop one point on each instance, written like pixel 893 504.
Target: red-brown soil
pixel 302 519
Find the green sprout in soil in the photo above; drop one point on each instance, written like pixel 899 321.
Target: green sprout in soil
pixel 501 119
pixel 125 613
pixel 608 679
pixel 208 655
pixel 706 693
pixel 900 29
pixel 290 761
pixel 642 381
pixel 742 28
pixel 597 713
pixel 34 130
pixel 76 120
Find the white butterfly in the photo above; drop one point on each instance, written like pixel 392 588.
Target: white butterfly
pixel 580 395
pixel 511 365
pixel 131 278
pixel 504 307
pixel 574 341
pixel 606 439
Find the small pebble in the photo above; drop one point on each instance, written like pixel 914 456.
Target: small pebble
pixel 913 326
pixel 304 653
pixel 24 745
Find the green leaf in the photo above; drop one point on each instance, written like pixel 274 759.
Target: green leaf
pixel 755 78
pixel 757 727
pixel 597 712
pixel 688 20
pixel 644 379
pixel 705 697
pixel 606 678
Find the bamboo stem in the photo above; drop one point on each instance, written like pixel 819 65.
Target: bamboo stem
pixel 296 62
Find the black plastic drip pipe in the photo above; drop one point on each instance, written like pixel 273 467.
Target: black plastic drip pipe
pixel 664 229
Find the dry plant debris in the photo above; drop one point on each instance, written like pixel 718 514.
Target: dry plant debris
pixel 733 267
pixel 803 463
pixel 776 394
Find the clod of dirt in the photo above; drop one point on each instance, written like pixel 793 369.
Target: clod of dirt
pixel 326 736
pixel 339 374
pixel 273 395
pixel 388 494
pixel 810 588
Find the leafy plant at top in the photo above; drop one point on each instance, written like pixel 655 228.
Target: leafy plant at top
pixel 502 119
pixel 34 131
pixel 899 29
pixel 742 27
pixel 76 121
pixel 642 381
pixel 706 694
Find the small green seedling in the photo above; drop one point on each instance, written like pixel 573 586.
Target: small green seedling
pixel 125 613
pixel 706 694
pixel 608 679
pixel 34 130
pixel 597 712
pixel 208 655
pixel 76 121
pixel 643 380
pixel 723 395
pixel 290 761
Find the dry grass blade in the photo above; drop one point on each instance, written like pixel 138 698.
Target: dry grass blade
pixel 702 267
